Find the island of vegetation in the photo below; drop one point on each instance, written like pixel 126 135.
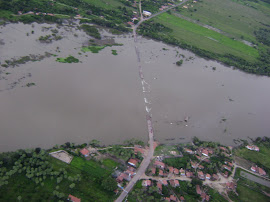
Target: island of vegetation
pixel 69 59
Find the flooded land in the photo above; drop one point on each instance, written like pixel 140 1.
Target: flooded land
pixel 45 102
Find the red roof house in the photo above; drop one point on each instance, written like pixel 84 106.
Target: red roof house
pixel 198 189
pixel 73 198
pixel 159 164
pixel 85 152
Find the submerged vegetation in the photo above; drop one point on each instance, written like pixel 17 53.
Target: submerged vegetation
pixel 24 59
pixel 91 31
pixel 114 52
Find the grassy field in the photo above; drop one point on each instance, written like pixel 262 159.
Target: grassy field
pixel 237 17
pixel 262 156
pixel 246 194
pixel 165 150
pixel 107 4
pixel 206 39
pixel 90 172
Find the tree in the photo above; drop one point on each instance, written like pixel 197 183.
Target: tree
pixel 94 143
pixel 109 184
pixel 71 186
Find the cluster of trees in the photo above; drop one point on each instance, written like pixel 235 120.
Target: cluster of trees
pixel 140 193
pixel 153 6
pixel 263 36
pixel 122 153
pixel 162 33
pixel 35 165
pixel 91 31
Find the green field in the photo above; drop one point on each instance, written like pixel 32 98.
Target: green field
pixel 246 194
pixel 206 39
pixel 236 17
pixel 91 174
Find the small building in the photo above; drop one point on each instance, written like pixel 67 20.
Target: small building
pixel 231 185
pixel 159 164
pixel 201 167
pixel 176 171
pixel 182 199
pixel 253 148
pixel 130 23
pixel 193 164
pixel 170 169
pixel 225 174
pixel 19 12
pixel 215 177
pixel 189 174
pixel 198 189
pixel 205 152
pixel 73 198
pixel 146 183
pixel 258 170
pixel 183 172
pixel 160 173
pixel 189 151
pixel 205 197
pixel 174 183
pixel 201 175
pixel 164 182
pixel 147 13
pixel 208 176
pixel 227 167
pixel 223 148
pixel 153 170
pixel 85 152
pixel 133 162
pixel 159 185
pixel 173 198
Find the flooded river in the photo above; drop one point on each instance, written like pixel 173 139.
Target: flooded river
pixel 102 97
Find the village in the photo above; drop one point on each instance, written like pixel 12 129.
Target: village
pixel 202 164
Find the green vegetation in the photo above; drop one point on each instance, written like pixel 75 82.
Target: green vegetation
pixel 91 31
pixel 121 153
pixel 261 158
pixel 179 63
pixel 248 183
pixel 165 150
pixel 247 194
pixel 30 84
pixel 93 49
pixel 35 176
pixel 207 43
pixel 144 194
pixel 204 38
pixel 69 59
pixel 114 52
pixel 24 59
pixel 49 38
pixel 238 18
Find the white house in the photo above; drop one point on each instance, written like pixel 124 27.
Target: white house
pixel 147 13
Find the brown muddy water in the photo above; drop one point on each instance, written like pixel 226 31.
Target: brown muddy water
pixel 102 97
